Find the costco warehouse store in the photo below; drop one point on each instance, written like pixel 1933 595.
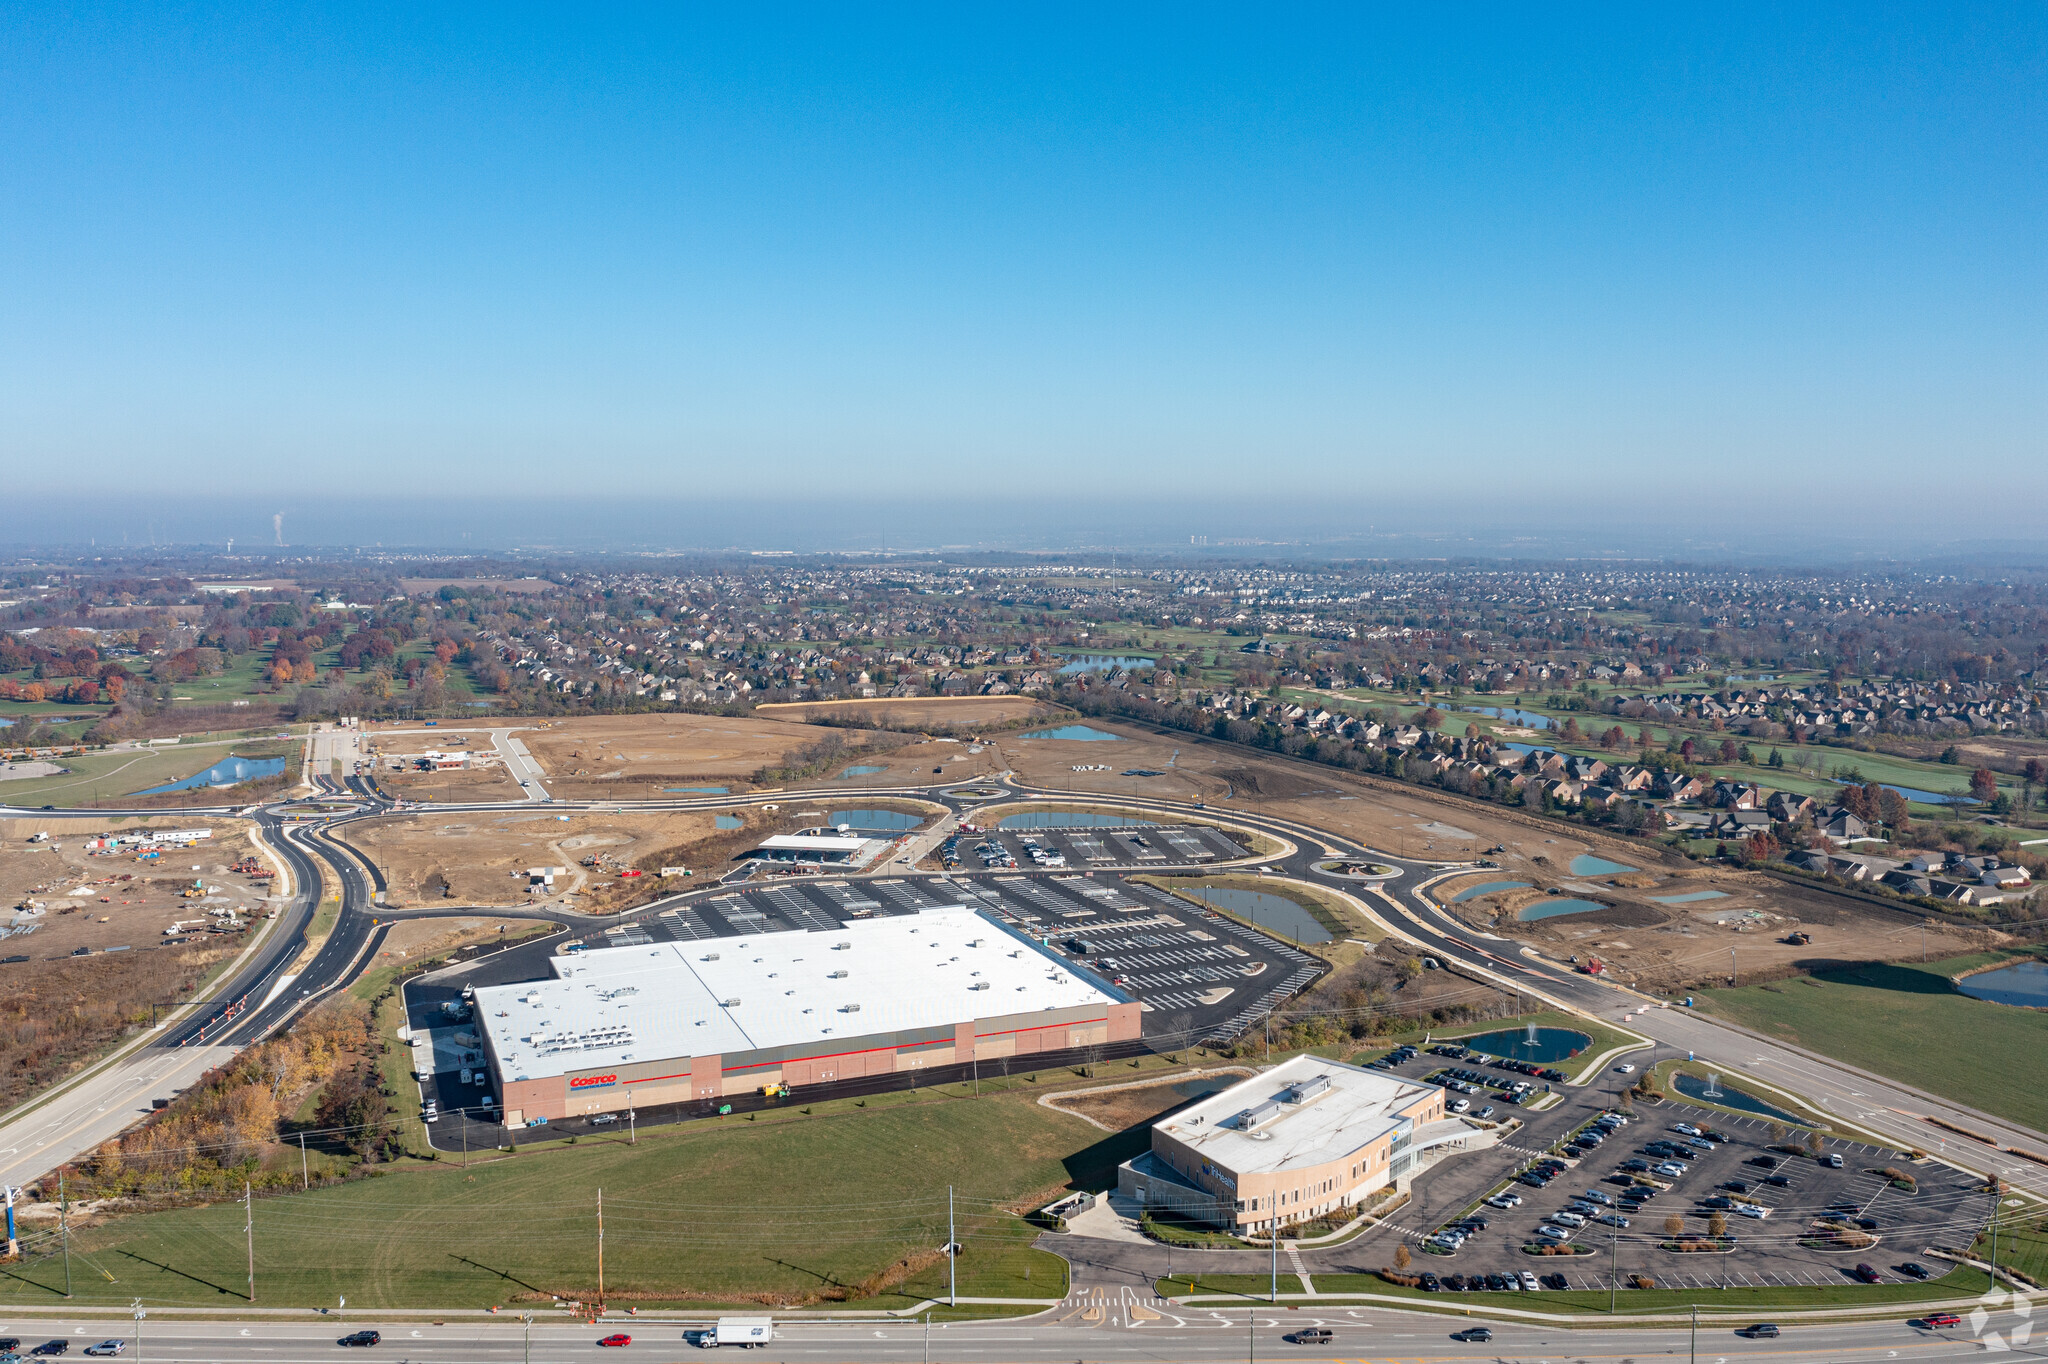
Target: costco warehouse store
pixel 669 1022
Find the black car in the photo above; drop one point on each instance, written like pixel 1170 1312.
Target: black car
pixel 1310 1335
pixel 1432 1284
pixel 360 1338
pixel 1777 1181
pixel 1733 1186
pixel 1867 1223
pixel 1498 1283
pixel 1913 1269
pixel 52 1347
pixel 1473 1335
pixel 9 1344
pixel 1556 1283
pixel 1763 1330
pixel 1767 1162
pixel 1718 1203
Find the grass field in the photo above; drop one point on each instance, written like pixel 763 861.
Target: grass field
pixel 782 1210
pixel 1958 1283
pixel 1906 1022
pixel 107 775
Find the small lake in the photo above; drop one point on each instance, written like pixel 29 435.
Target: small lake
pixel 1585 864
pixel 1551 909
pixel 875 819
pixel 1083 733
pixel 2024 982
pixel 1067 819
pixel 1528 719
pixel 1102 663
pixel 1274 913
pixel 1693 898
pixel 862 771
pixel 729 822
pixel 1487 888
pixel 1928 797
pixel 1727 1096
pixel 1551 1044
pixel 699 790
pixel 227 772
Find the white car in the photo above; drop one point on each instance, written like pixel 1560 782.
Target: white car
pixel 1568 1219
pixel 1753 1210
pixel 1529 1284
pixel 1554 1232
pixel 1505 1200
pixel 1461 1106
pixel 1670 1169
pixel 1624 1069
pixel 1685 1129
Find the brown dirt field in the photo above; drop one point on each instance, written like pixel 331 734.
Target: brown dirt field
pixel 429 937
pixel 476 855
pixel 1660 947
pixel 1118 1109
pixel 915 764
pixel 598 756
pixel 923 712
pixel 465 786
pixel 136 911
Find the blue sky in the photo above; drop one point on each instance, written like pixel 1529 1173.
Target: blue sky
pixel 1638 258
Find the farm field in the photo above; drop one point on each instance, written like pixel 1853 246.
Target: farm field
pixel 787 1210
pixel 1904 1021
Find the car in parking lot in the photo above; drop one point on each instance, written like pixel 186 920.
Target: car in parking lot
pixel 1670 1169
pixel 1612 1219
pixel 1719 1202
pixel 1763 1330
pixel 1624 1069
pixel 1685 1129
pixel 1473 1335
pixel 1913 1269
pixel 1310 1335
pixel 1486 1112
pixel 1833 1162
pixel 1777 1181
pixel 1554 1232
pixel 1504 1200
pixel 603 1119
pixel 1868 1274
pixel 1754 1210
pixel 1595 1196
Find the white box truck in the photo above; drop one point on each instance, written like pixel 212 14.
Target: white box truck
pixel 745 1332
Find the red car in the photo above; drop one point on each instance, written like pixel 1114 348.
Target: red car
pixel 616 1340
pixel 1944 1319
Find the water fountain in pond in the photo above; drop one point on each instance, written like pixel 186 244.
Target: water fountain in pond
pixel 1532 1034
pixel 1713 1089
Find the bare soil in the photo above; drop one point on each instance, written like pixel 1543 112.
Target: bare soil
pixel 636 756
pixel 942 713
pixel 481 859
pixel 462 786
pixel 1118 1109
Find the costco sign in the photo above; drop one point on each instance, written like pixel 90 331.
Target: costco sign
pixel 592 1081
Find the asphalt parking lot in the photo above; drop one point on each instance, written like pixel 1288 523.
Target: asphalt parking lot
pixel 1776 1250
pixel 1201 977
pixel 1138 848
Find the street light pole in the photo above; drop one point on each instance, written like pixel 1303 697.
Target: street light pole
pixel 140 1313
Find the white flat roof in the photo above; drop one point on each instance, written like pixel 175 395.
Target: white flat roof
pixel 720 996
pixel 814 842
pixel 1355 1108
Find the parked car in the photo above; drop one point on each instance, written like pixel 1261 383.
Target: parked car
pixel 1913 1269
pixel 1868 1274
pixel 1529 1284
pixel 1685 1129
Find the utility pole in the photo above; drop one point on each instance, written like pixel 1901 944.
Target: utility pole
pixel 64 1230
pixel 952 1255
pixel 249 1229
pixel 526 1319
pixel 1613 1268
pixel 600 1249
pixel 1695 1356
pixel 1731 968
pixel 140 1312
pixel 1274 1241
pixel 305 1174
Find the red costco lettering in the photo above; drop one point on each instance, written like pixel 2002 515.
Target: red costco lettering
pixel 592 1081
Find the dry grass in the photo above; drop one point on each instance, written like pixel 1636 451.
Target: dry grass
pixel 915 712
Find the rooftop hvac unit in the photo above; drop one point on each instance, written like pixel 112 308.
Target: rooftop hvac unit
pixel 1307 1089
pixel 979 985
pixel 841 946
pixel 849 1008
pixel 837 975
pixel 709 956
pixel 732 1003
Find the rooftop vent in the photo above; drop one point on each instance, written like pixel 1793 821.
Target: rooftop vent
pixel 732 1003
pixel 849 1008
pixel 1302 1091
pixel 1252 1117
pixel 979 985
pixel 841 946
pixel 837 975
pixel 709 956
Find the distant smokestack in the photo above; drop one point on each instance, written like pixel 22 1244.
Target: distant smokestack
pixel 277 527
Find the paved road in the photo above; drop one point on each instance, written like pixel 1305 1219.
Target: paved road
pixel 1103 1327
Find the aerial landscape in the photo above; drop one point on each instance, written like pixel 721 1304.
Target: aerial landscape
pixel 905 685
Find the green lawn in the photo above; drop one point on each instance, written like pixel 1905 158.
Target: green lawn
pixel 710 1212
pixel 1905 1021
pixel 107 775
pixel 1958 1283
